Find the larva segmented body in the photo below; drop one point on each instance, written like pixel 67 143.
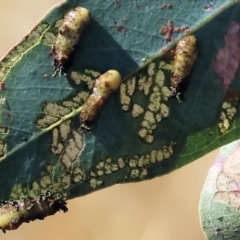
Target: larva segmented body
pixel 15 212
pixel 104 86
pixel 185 57
pixel 68 36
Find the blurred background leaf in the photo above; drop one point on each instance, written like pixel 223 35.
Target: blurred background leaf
pixel 219 204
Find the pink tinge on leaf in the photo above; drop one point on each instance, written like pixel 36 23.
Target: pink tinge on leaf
pixel 227 59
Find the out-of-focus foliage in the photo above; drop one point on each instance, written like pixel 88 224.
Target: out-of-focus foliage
pixel 219 205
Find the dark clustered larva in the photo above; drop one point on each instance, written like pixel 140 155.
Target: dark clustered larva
pixel 15 212
pixel 103 87
pixel 185 57
pixel 68 36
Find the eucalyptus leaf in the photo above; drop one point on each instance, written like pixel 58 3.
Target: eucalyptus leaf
pixel 42 145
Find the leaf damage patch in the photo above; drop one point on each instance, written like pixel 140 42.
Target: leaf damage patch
pixel 52 113
pixel 229 111
pixel 151 84
pixel 138 165
pixel 59 135
pixel 72 150
pixel 88 77
pixel 135 168
pixel 17 52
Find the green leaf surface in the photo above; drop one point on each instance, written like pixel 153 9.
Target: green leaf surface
pixel 219 204
pixel 42 146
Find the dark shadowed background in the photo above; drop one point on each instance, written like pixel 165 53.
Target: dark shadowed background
pixel 165 208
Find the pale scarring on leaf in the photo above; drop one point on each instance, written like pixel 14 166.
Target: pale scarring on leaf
pixel 88 77
pixel 66 181
pixel 70 104
pixel 47 121
pixel 48 39
pixel 18 192
pixel 16 53
pixel 152 86
pixel 229 110
pixel 104 167
pixel 137 110
pixel 94 183
pixel 56 146
pixel 144 84
pixel 46 181
pixel 121 163
pixel 131 85
pixel 64 129
pixel 126 92
pixel 124 98
pixel 55 109
pixel 151 69
pixel 81 97
pixel 2 148
pixel 77 175
pixel 72 150
pixel 53 112
pixel 137 166
pixel 59 135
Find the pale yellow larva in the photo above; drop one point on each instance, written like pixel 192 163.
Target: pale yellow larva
pixel 68 36
pixel 104 86
pixel 185 57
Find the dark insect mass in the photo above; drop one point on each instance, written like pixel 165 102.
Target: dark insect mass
pixel 68 36
pixel 104 86
pixel 15 212
pixel 185 57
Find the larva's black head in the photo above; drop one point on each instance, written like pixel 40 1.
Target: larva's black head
pixel 180 89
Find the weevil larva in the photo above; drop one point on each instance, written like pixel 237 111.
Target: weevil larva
pixel 103 87
pixel 68 36
pixel 185 57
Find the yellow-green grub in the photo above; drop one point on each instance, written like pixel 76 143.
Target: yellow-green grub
pixel 68 36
